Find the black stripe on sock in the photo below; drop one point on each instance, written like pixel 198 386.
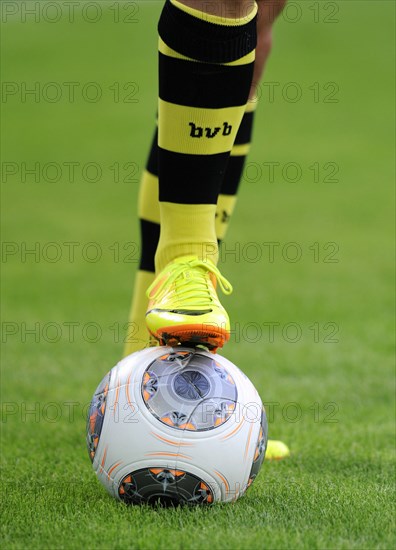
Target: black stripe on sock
pixel 203 84
pixel 190 179
pixel 233 175
pixel 244 134
pixel 204 41
pixel 150 233
pixel 152 161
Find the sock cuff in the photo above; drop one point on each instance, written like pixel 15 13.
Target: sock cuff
pixel 219 19
pixel 223 41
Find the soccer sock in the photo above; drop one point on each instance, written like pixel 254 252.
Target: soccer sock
pixel 227 175
pixel 205 73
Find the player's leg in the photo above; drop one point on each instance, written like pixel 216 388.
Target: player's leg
pixel 137 335
pixel 206 64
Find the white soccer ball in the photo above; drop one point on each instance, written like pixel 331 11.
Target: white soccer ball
pixel 178 426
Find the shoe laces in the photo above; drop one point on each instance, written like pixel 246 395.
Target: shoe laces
pixel 191 291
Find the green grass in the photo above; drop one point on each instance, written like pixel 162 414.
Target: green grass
pixel 337 490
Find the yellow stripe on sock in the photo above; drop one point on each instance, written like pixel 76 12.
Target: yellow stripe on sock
pixel 166 50
pixel 245 60
pixel 219 19
pixel 148 205
pixel 240 150
pixel 186 229
pixel 175 129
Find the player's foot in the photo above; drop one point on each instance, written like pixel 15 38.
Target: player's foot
pixel 276 450
pixel 184 307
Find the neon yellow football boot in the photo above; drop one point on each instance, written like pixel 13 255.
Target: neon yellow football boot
pixel 184 307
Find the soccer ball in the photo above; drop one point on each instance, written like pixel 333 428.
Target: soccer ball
pixel 176 426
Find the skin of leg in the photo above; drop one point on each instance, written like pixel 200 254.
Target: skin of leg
pixel 232 9
pixel 268 11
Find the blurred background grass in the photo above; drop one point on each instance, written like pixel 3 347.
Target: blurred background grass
pixel 339 57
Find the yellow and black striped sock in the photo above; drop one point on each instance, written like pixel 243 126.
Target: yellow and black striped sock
pixel 226 175
pixel 205 72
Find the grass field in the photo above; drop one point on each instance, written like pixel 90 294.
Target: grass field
pixel 313 324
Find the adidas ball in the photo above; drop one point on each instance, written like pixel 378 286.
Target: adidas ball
pixel 176 426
